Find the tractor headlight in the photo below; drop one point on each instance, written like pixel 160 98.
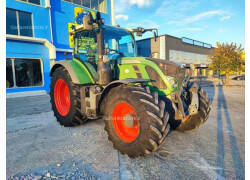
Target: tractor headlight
pixel 173 82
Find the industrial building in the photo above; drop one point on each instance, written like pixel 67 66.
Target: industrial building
pixel 182 50
pixel 37 35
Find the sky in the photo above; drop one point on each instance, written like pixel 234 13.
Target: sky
pixel 209 21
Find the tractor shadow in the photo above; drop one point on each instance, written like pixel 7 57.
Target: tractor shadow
pixel 235 152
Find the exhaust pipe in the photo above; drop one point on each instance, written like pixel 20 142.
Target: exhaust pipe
pixel 103 70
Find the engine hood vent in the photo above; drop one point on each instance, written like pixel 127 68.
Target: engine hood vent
pixel 170 68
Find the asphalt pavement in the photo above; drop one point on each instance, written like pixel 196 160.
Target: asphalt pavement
pixel 39 148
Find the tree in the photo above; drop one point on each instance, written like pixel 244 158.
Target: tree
pixel 243 61
pixel 227 58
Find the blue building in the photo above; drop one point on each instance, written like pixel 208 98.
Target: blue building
pixel 37 35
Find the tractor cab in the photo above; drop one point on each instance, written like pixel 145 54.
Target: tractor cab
pixel 118 42
pixel 99 46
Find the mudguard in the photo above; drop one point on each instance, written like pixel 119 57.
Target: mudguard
pixel 118 83
pixel 77 71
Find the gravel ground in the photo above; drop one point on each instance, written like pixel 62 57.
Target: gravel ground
pixel 39 148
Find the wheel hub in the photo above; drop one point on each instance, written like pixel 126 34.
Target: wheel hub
pixel 125 122
pixel 129 120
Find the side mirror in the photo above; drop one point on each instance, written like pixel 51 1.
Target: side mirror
pixel 87 24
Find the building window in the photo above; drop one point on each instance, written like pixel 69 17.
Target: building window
pixel 19 23
pixel 25 24
pixel 32 1
pixel 9 74
pixel 94 4
pixel 98 5
pixel 11 22
pixel 86 3
pixel 26 73
pixel 77 2
pixel 196 43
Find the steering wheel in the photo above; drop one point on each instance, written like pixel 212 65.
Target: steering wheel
pixel 113 56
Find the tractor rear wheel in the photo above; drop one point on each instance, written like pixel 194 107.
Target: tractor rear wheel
pixel 136 120
pixel 65 99
pixel 194 121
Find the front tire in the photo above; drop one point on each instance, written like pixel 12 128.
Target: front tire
pixel 65 99
pixel 135 119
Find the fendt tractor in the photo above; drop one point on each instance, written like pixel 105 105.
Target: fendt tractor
pixel 140 99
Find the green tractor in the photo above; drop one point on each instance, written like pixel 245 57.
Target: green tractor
pixel 138 98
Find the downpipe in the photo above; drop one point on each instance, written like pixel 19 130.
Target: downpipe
pixel 103 70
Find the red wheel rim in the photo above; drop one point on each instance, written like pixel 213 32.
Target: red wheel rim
pixel 185 118
pixel 62 97
pixel 122 116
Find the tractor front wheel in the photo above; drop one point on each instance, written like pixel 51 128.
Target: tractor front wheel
pixel 65 98
pixel 136 120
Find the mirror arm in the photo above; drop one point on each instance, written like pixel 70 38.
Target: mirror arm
pixel 139 31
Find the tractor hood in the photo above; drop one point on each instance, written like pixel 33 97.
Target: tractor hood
pixel 170 68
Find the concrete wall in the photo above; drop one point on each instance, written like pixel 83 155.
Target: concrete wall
pixel 174 43
pixel 185 53
pixel 147 47
pixel 155 47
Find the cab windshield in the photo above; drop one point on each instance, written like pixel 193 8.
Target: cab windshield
pixel 118 43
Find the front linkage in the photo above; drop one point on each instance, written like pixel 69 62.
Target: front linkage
pixel 178 101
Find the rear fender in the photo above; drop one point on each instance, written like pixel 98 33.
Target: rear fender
pixel 77 71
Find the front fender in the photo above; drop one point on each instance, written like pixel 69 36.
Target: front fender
pixel 118 83
pixel 77 71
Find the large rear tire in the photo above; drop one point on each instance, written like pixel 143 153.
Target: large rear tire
pixel 136 120
pixel 65 99
pixel 195 121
